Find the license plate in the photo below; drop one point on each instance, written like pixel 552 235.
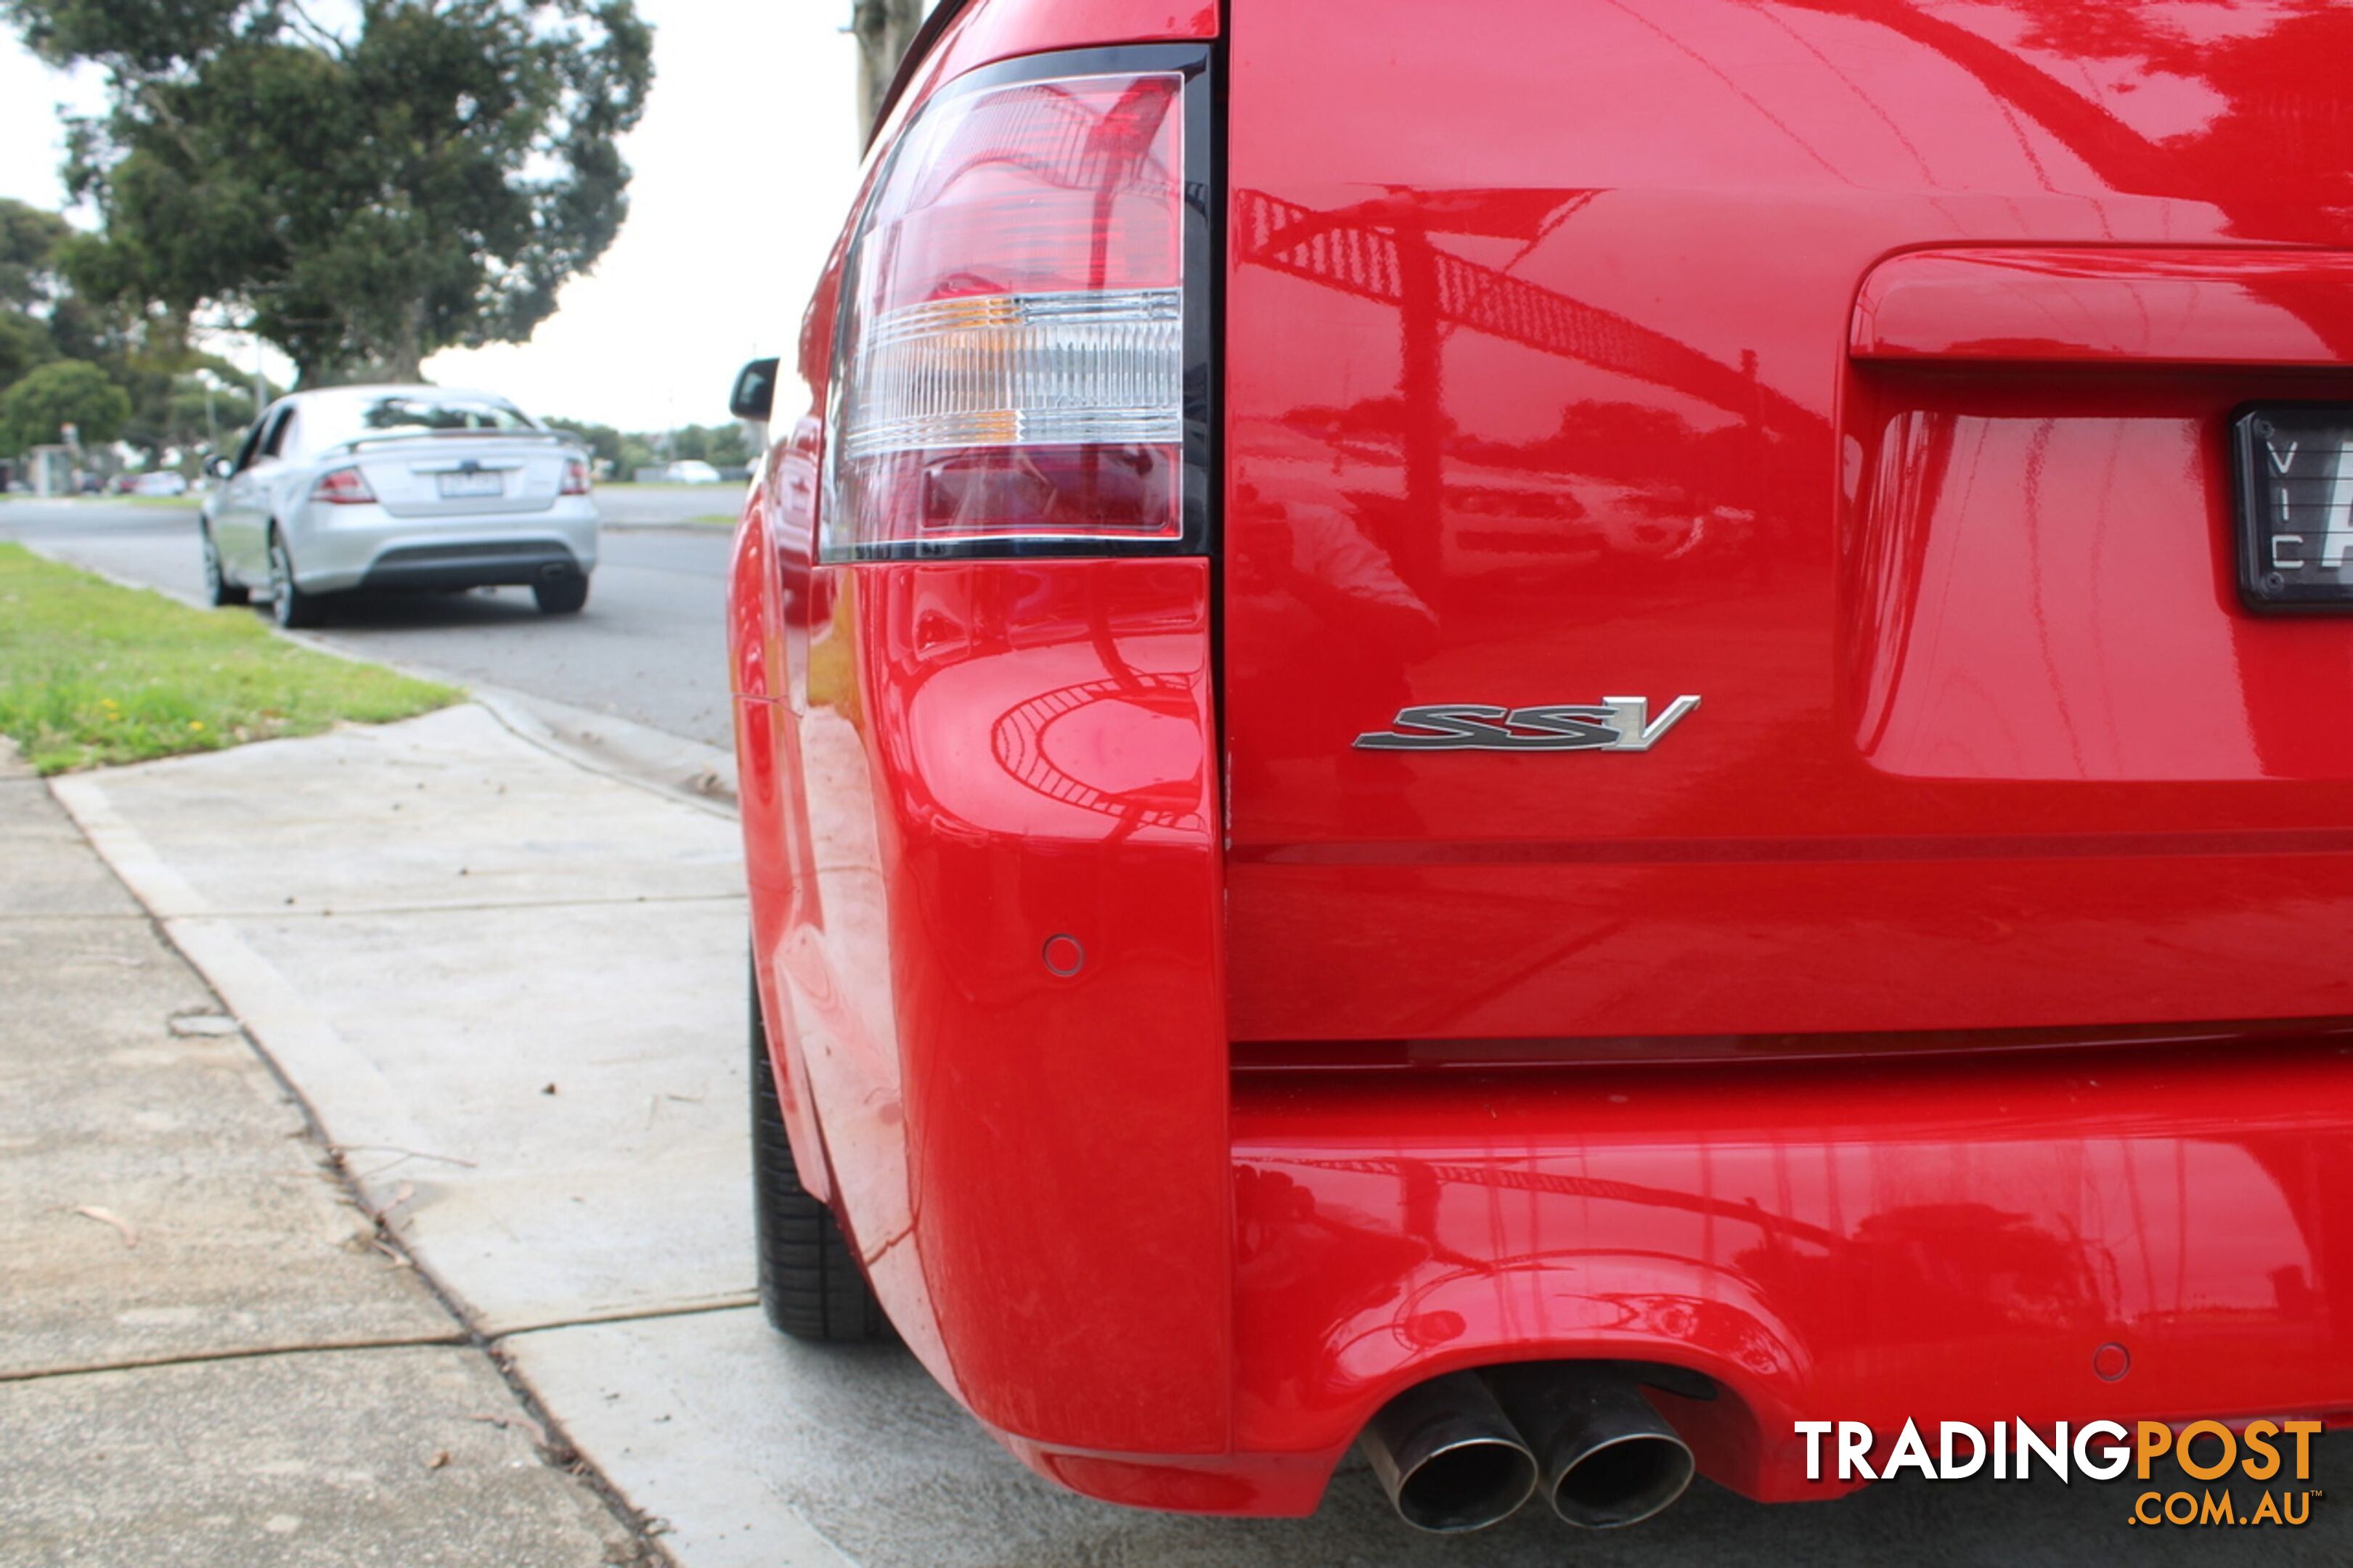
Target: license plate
pixel 466 483
pixel 2294 463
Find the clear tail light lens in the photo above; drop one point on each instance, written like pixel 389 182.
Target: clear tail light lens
pixel 575 478
pixel 1012 350
pixel 343 487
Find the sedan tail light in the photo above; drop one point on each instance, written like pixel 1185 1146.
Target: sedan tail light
pixel 575 478
pixel 1022 362
pixel 343 487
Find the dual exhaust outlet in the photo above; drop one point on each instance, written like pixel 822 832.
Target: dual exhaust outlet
pixel 1464 1451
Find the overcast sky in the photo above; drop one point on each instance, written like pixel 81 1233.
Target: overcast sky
pixel 744 162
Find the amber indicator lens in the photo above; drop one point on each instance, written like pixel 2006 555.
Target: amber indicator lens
pixel 2295 464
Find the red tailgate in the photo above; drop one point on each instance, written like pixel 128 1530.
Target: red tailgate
pixel 1561 398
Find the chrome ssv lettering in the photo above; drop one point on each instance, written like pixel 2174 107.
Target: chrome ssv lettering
pixel 1614 724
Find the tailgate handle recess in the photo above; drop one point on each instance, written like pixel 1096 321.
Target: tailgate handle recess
pixel 2289 308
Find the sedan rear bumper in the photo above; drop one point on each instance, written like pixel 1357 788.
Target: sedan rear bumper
pixel 336 548
pixel 495 563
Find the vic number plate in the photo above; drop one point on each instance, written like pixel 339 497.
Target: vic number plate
pixel 2295 464
pixel 472 482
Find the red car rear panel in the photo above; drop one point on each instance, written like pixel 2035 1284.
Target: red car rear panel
pixel 1540 390
pixel 1945 999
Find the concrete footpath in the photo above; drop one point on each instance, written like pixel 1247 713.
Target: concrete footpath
pixel 206 1354
pixel 510 989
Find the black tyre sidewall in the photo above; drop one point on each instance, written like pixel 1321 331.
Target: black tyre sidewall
pixel 219 592
pixel 811 1287
pixel 563 596
pixel 291 607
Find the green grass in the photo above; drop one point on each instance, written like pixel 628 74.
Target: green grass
pixel 92 674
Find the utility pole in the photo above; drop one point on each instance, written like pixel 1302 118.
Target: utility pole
pixel 884 30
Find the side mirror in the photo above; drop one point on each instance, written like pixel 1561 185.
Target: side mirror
pixel 219 466
pixel 755 397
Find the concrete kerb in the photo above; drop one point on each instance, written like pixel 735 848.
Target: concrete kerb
pixel 603 743
pixel 618 748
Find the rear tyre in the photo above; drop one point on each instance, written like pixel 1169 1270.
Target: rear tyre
pixel 219 592
pixel 561 595
pixel 810 1285
pixel 289 605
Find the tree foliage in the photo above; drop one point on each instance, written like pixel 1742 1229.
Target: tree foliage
pixel 29 288
pixel 188 404
pixel 602 441
pixel 722 446
pixel 182 400
pixel 623 453
pixel 29 242
pixel 430 176
pixel 147 35
pixel 24 345
pixel 34 411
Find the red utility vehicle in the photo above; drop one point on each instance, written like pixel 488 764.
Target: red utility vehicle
pixel 1553 732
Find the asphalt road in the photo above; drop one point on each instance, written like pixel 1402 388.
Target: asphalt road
pixel 649 648
pixel 667 503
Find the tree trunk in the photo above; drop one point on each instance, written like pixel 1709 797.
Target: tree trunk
pixel 407 360
pixel 885 29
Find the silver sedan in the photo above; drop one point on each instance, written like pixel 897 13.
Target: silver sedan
pixel 398 487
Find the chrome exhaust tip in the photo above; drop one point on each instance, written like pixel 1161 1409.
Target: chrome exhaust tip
pixel 1448 1456
pixel 1605 1457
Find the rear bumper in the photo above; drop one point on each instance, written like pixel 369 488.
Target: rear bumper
pixel 1957 1240
pixel 336 548
pixel 494 562
pixel 1944 1240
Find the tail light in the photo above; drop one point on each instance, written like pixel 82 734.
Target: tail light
pixel 343 487
pixel 575 478
pixel 1021 360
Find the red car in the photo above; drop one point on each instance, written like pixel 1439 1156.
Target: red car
pixel 1556 733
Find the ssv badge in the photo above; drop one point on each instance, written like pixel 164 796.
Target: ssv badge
pixel 1614 724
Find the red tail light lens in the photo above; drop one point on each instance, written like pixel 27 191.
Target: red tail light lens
pixel 343 487
pixel 1013 340
pixel 575 478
